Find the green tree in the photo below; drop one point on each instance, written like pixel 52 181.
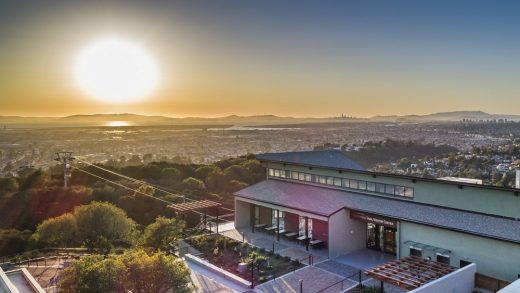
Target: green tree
pixel 101 225
pixel 8 185
pixel 134 271
pixel 158 272
pixel 57 232
pixel 193 184
pixel 163 233
pixel 94 274
pixel 171 176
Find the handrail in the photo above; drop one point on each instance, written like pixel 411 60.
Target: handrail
pixel 341 281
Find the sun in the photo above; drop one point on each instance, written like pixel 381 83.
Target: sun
pixel 116 71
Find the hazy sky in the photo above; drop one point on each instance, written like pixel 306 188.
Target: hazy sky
pixel 298 58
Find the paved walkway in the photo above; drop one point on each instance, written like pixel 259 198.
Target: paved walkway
pixel 314 279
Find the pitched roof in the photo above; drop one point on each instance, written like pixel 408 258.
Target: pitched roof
pixel 325 202
pixel 321 158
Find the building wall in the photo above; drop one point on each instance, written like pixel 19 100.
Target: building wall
pixel 242 214
pixel 460 281
pixel 497 202
pixel 346 235
pixel 494 258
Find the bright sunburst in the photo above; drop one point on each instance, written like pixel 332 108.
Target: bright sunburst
pixel 116 71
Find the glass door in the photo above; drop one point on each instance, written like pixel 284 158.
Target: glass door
pixel 390 245
pixel 372 236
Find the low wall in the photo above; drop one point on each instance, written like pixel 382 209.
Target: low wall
pixel 459 281
pixel 225 274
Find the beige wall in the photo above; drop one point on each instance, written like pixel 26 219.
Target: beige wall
pixel 346 235
pixel 242 214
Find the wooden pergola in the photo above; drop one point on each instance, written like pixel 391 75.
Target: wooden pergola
pixel 410 272
pixel 194 205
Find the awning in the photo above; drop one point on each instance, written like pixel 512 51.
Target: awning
pixel 428 247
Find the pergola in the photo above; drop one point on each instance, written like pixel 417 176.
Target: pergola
pixel 410 272
pixel 194 205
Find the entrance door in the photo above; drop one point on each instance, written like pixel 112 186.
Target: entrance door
pixel 390 245
pixel 381 238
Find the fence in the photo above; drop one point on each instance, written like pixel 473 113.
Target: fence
pixel 357 274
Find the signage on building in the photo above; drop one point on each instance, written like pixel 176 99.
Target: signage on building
pixel 373 219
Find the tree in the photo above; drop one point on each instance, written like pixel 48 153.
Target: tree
pixel 162 233
pixel 101 225
pixel 171 176
pixel 57 232
pixel 35 179
pixel 134 271
pixel 193 184
pixel 8 185
pixel 158 272
pixel 93 273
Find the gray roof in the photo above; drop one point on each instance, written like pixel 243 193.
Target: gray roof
pixel 325 202
pixel 321 158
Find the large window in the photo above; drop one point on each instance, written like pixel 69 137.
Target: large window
pixel 388 189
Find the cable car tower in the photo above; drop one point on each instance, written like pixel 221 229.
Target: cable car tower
pixel 65 158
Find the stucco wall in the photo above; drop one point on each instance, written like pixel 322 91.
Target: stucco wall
pixel 488 201
pixel 346 235
pixel 460 281
pixel 494 258
pixel 242 214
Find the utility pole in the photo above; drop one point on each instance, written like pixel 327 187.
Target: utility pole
pixel 65 158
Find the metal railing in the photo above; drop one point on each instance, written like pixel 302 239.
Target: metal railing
pixel 342 281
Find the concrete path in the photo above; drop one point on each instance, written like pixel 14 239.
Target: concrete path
pixel 207 281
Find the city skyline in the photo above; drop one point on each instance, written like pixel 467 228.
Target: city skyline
pixel 286 59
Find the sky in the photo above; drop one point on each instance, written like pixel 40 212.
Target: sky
pixel 287 58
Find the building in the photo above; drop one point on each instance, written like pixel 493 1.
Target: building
pixel 18 281
pixel 324 198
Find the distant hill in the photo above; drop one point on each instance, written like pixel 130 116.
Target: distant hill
pixel 263 120
pixel 446 116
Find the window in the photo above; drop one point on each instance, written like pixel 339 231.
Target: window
pixel 415 252
pixel 322 180
pixel 399 190
pixel 276 173
pixel 337 181
pixel 389 189
pixel 345 183
pixel 380 187
pixel 285 174
pixel 308 177
pixel 408 191
pixel 362 184
pixel 330 180
pixel 271 172
pixel 294 175
pixel 464 263
pixel 371 186
pixel 445 259
pixel 353 183
pixel 301 176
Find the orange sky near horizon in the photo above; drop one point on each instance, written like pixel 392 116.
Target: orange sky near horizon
pixel 311 63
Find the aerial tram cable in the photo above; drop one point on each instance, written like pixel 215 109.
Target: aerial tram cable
pixel 157 187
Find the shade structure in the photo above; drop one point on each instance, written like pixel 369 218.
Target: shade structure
pixel 410 272
pixel 193 205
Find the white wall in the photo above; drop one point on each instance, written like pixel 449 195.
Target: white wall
pixel 459 281
pixel 345 234
pixel 242 214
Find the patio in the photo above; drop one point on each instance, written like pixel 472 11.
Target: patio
pixel 284 246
